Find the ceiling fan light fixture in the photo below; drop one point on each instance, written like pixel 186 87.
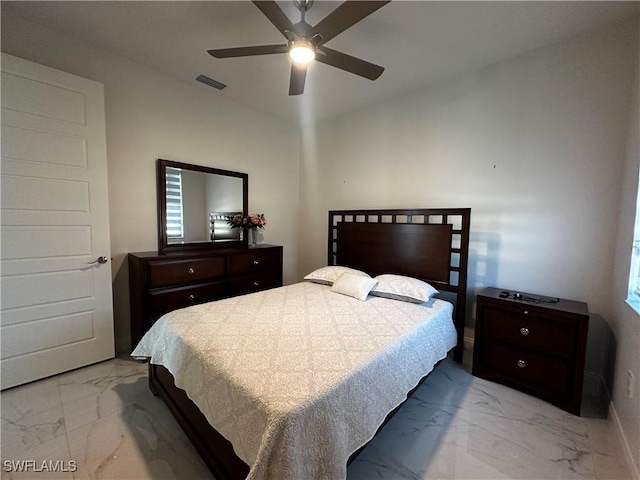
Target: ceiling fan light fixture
pixel 302 52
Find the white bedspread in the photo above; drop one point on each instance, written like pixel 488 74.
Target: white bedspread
pixel 297 378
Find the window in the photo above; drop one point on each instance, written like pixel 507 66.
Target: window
pixel 174 203
pixel 633 294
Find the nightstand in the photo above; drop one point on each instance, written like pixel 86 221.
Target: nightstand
pixel 533 343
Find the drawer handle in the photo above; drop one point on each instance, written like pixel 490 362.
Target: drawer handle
pixel 191 271
pixel 526 312
pixel 192 297
pixel 521 363
pixel 256 284
pixel 256 262
pixel 524 331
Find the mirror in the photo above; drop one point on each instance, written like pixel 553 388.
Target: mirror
pixel 193 205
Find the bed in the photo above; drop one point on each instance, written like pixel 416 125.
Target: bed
pixel 296 380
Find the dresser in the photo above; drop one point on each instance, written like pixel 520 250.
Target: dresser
pixel 161 283
pixel 532 343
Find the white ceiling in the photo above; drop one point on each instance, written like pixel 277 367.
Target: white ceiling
pixel 418 43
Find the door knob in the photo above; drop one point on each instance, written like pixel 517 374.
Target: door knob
pixel 101 260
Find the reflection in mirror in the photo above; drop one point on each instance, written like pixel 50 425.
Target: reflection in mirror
pixel 192 199
pixel 220 228
pixel 194 206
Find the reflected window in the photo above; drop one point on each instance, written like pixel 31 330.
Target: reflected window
pixel 175 218
pixel 633 292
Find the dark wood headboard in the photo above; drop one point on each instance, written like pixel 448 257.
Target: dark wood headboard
pixel 429 244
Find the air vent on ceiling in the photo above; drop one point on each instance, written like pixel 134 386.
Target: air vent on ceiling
pixel 211 82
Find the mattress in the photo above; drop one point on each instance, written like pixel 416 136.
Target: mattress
pixel 297 378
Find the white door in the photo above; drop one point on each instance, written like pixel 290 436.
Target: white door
pixel 56 301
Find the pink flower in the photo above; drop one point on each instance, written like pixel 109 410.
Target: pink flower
pixel 253 220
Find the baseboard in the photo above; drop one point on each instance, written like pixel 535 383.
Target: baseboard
pixel 622 438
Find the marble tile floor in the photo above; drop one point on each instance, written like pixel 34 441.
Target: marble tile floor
pixel 104 420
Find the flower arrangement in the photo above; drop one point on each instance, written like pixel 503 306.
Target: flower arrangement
pixel 251 221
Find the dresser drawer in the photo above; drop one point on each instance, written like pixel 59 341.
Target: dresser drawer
pixel 255 261
pixel 527 328
pixel 253 283
pixel 161 283
pixel 526 369
pixel 169 299
pixel 175 272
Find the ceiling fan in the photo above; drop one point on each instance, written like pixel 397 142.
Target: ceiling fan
pixel 306 43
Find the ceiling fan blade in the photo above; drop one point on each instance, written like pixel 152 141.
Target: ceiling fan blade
pixel 248 51
pixel 298 76
pixel 343 17
pixel 274 13
pixel 348 63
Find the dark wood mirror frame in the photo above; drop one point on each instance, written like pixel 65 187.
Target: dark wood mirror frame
pixel 164 247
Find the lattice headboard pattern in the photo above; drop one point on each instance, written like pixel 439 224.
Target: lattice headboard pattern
pixel 429 244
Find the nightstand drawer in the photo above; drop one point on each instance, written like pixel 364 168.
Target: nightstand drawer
pixel 526 369
pixel 255 261
pixel 526 327
pixel 169 299
pixel 175 272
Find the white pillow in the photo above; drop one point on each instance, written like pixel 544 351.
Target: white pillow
pixel 328 275
pixel 406 289
pixel 353 285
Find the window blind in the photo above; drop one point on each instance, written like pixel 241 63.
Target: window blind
pixel 635 271
pixel 633 293
pixel 174 203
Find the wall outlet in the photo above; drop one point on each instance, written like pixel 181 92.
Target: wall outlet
pixel 631 384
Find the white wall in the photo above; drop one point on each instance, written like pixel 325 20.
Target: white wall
pixel 151 116
pixel 625 322
pixel 535 146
